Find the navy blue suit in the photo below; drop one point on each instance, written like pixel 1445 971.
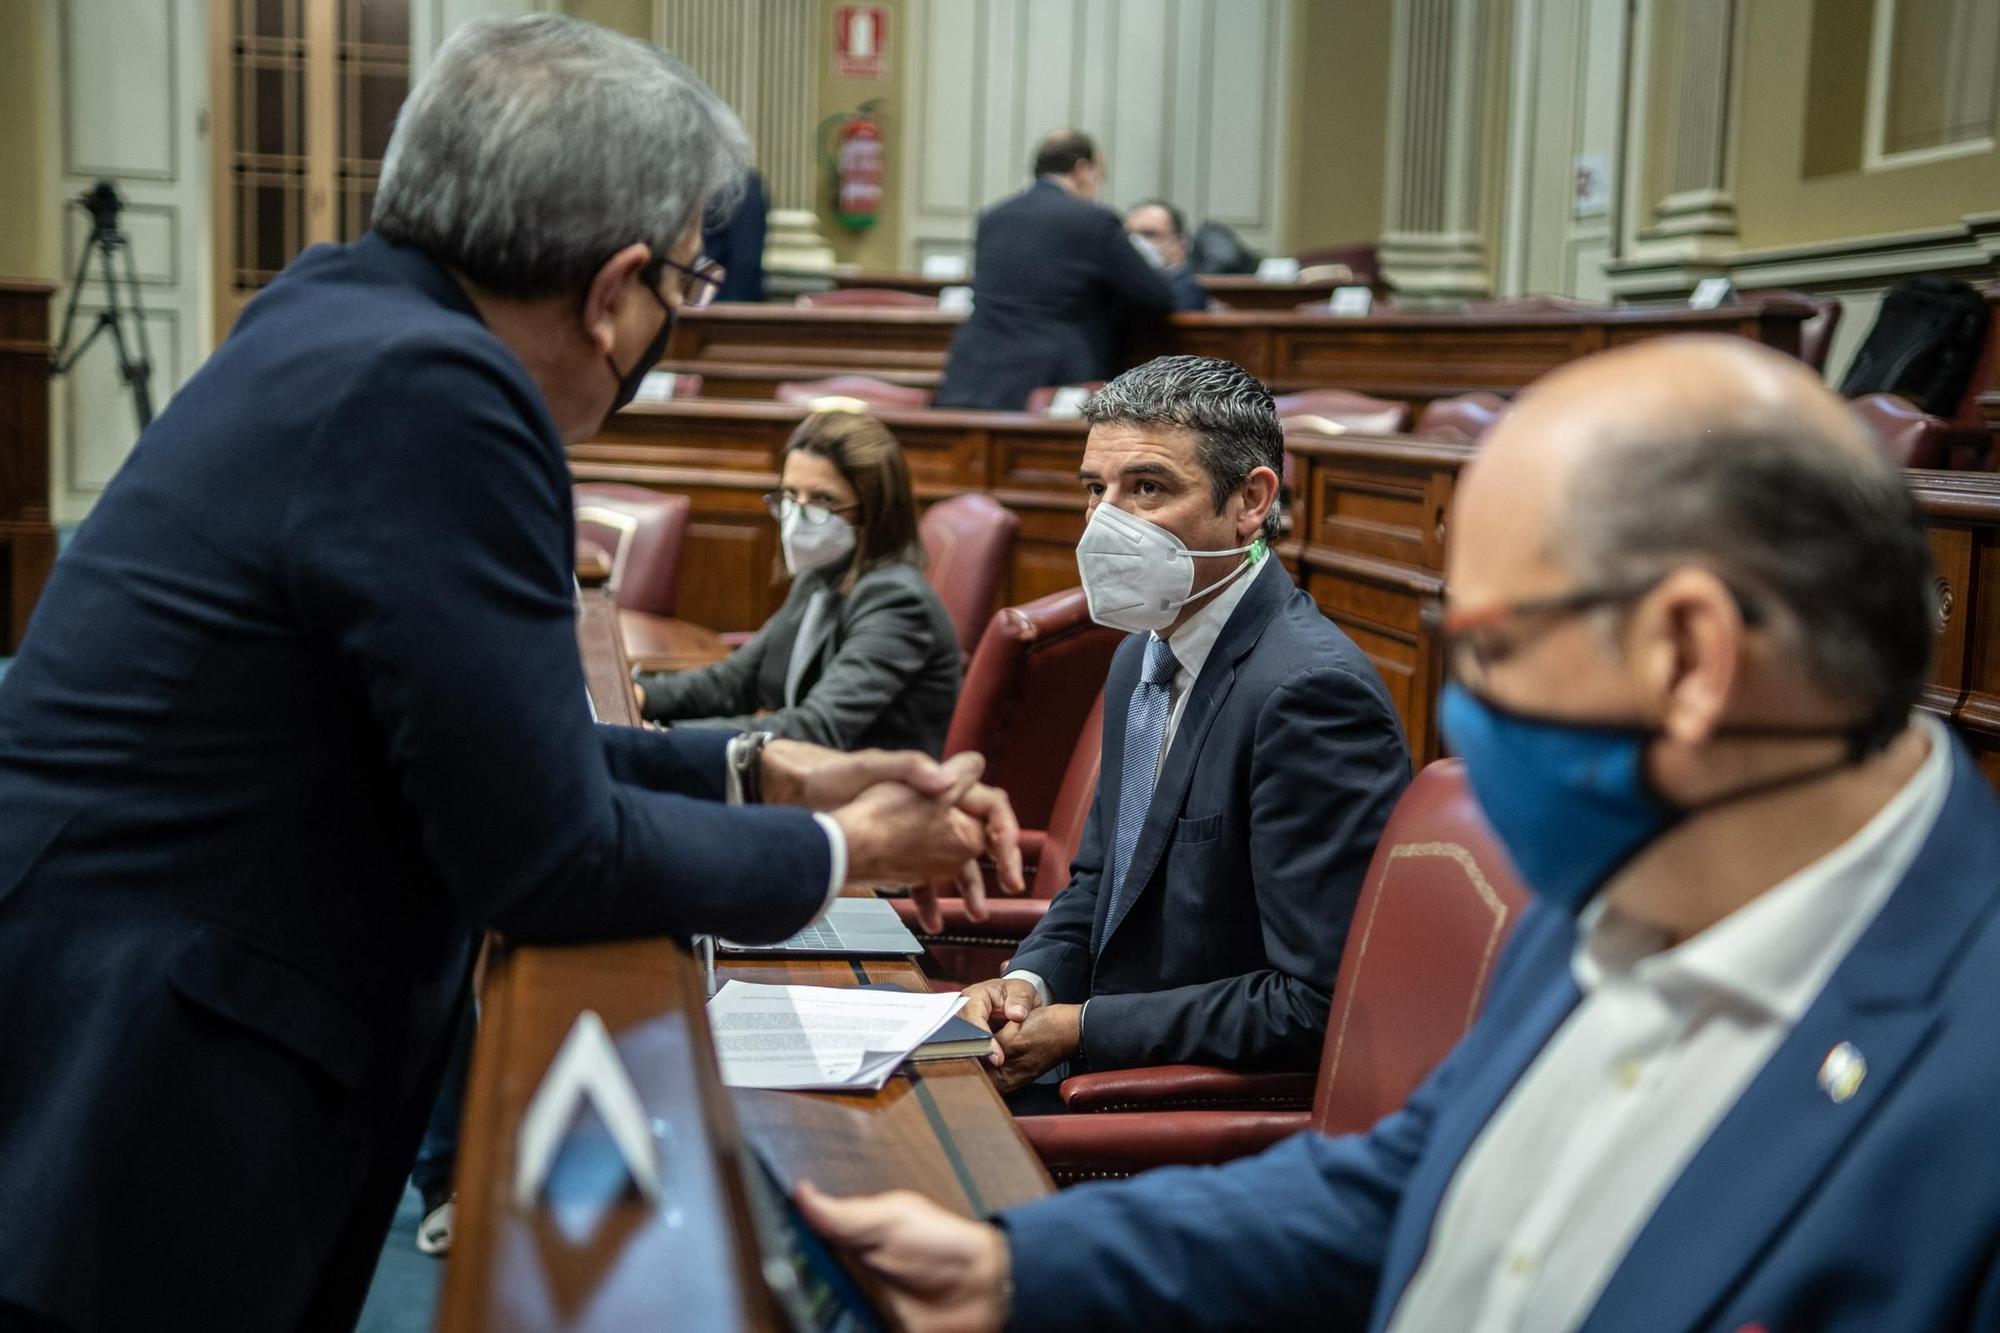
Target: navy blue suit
pixel 1281 774
pixel 300 711
pixel 1056 287
pixel 1797 1213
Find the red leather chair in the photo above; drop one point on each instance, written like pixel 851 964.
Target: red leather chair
pixel 1439 901
pixel 966 950
pixel 867 298
pixel 968 544
pixel 1039 399
pixel 863 389
pixel 1465 418
pixel 642 531
pixel 1816 331
pixel 1912 437
pixel 1026 694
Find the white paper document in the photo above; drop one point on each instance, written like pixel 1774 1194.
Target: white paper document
pixel 820 1038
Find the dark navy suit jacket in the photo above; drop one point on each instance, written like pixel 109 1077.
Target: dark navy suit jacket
pixel 1283 770
pixel 1056 286
pixel 1797 1213
pixel 300 711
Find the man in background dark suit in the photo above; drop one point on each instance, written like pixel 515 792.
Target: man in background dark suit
pixel 1056 286
pixel 301 713
pixel 1251 759
pixel 735 240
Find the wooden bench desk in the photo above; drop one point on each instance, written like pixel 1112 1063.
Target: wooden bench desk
pixel 692 1263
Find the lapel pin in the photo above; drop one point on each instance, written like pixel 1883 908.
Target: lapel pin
pixel 1840 1074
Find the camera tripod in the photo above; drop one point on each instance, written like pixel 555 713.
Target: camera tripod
pixel 106 240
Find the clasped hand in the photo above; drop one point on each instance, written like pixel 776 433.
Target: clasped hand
pixel 1030 1038
pixel 907 819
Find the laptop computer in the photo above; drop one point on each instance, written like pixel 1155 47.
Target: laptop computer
pixel 851 928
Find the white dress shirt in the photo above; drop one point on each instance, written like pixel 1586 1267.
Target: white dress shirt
pixel 1192 643
pixel 1664 1041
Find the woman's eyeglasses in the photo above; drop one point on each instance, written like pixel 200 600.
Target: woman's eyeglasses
pixel 813 509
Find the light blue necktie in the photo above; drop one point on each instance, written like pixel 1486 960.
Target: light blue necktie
pixel 1145 731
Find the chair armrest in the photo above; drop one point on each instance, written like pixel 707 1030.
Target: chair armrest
pixel 1187 1088
pixel 1123 1143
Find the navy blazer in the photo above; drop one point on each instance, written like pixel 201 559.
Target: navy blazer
pixel 1882 1212
pixel 1056 287
pixel 1283 770
pixel 301 711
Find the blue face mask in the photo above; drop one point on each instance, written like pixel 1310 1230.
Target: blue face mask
pixel 1571 801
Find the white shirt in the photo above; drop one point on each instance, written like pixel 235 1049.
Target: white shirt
pixel 1192 643
pixel 1664 1041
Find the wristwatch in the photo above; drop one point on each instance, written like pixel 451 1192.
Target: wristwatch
pixel 746 760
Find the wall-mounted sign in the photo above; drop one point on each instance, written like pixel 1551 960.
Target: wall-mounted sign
pixel 861 41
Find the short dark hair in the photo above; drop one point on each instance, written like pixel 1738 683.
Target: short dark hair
pixel 1820 535
pixel 1060 153
pixel 1174 215
pixel 864 452
pixel 1234 421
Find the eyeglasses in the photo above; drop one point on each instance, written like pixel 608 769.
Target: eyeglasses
pixel 700 281
pixel 814 510
pixel 1477 640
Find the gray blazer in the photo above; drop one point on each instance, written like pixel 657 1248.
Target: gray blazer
pixel 884 672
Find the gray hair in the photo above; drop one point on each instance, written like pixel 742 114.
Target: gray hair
pixel 1234 421
pixel 535 148
pixel 1815 532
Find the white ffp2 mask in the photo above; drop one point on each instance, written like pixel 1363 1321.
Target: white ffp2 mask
pixel 1137 575
pixel 810 545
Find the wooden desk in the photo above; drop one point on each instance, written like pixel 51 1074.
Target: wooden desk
pixel 1372 529
pixel 664 643
pixel 693 1263
pixel 1240 291
pixel 27 538
pixel 1414 357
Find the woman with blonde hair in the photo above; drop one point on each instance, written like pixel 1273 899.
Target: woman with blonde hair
pixel 862 653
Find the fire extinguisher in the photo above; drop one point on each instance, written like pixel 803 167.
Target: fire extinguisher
pixel 851 145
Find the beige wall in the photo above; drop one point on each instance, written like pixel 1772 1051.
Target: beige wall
pixel 1779 136
pixel 632 17
pixel 879 248
pixel 1340 119
pixel 28 213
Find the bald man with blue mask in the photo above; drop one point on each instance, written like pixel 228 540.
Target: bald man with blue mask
pixel 1735 1069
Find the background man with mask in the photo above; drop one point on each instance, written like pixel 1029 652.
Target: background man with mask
pixel 1251 758
pixel 1160 232
pixel 301 712
pixel 1736 1069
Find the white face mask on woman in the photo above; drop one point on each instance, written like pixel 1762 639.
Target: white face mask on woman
pixel 1137 575
pixel 812 538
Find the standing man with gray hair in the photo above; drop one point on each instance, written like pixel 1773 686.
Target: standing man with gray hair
pixel 1736 1069
pixel 301 713
pixel 1251 759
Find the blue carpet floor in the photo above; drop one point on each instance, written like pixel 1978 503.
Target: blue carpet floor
pixel 404 1296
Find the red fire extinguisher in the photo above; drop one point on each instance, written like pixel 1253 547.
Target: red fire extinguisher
pixel 856 160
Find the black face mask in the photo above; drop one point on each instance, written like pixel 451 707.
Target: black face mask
pixel 629 380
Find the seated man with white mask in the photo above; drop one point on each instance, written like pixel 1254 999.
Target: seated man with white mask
pixel 1251 759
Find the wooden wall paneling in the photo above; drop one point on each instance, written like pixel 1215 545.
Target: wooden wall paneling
pixel 27 539
pixel 1962 517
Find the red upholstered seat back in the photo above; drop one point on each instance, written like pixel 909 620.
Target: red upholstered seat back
pixel 1817 330
pixel 968 544
pixel 1026 695
pixel 876 298
pixel 864 389
pixel 642 531
pixel 1465 418
pixel 1440 899
pixel 1912 437
pixel 1072 805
